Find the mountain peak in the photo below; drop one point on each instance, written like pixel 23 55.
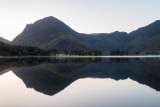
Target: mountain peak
pixel 118 32
pixel 49 18
pixel 4 40
pixel 50 24
pixel 157 21
pixel 150 30
pixel 51 33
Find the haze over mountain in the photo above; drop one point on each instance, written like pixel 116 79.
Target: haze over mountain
pixel 51 33
pixel 4 40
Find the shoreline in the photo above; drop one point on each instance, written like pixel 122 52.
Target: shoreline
pixel 128 56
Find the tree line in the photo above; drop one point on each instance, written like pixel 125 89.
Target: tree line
pixel 6 50
pixel 10 50
pixel 76 52
pixel 118 52
pixel 122 52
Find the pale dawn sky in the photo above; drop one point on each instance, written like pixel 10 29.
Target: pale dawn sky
pixel 84 16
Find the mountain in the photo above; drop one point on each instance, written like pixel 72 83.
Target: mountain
pixel 146 38
pixel 51 33
pixel 4 40
pixel 106 42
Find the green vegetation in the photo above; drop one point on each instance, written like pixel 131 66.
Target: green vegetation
pixel 56 38
pixel 82 52
pixel 75 52
pixel 152 52
pixel 10 50
pixel 118 52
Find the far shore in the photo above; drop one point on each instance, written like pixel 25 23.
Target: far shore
pixel 77 56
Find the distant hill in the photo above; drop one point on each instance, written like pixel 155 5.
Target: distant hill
pixel 4 40
pixel 51 33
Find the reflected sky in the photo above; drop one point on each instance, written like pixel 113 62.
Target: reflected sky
pixel 86 92
pixel 79 82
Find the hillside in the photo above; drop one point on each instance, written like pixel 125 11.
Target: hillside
pixel 4 40
pixel 51 33
pixel 146 38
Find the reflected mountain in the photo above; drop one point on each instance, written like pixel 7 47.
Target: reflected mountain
pixel 51 75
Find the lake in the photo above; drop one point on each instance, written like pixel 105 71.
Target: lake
pixel 80 82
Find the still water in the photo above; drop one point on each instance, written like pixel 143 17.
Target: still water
pixel 79 82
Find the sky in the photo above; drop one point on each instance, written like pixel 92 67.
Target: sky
pixel 84 16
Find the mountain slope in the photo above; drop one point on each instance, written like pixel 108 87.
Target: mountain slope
pixel 50 33
pixel 145 38
pixel 105 42
pixel 4 40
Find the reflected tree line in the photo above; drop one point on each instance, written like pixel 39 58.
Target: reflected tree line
pixel 55 60
pixel 118 59
pixel 51 75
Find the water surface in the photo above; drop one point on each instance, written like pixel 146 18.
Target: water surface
pixel 80 82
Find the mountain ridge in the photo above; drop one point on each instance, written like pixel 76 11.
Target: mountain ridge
pixel 4 40
pixel 50 30
pixel 51 33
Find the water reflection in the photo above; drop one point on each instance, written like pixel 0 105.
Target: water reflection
pixel 51 75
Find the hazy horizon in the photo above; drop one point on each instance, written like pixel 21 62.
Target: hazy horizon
pixel 84 16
